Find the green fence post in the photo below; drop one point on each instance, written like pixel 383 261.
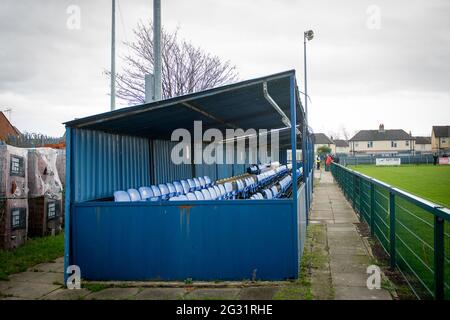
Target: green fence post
pixel 438 258
pixel 392 228
pixel 372 208
pixel 353 191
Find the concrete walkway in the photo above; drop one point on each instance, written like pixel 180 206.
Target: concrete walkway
pixel 348 254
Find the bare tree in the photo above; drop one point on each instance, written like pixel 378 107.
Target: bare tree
pixel 185 67
pixel 345 133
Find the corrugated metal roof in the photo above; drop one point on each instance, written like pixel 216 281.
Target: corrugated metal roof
pixel 240 105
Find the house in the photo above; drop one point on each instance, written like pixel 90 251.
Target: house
pixel 6 128
pixel 321 139
pixel 440 139
pixel 342 146
pixel 382 142
pixel 422 145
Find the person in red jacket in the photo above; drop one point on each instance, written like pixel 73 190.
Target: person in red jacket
pixel 328 162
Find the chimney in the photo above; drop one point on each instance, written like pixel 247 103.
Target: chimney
pixel 381 129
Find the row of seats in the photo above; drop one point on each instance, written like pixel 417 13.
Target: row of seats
pixel 201 188
pixel 163 191
pixel 277 190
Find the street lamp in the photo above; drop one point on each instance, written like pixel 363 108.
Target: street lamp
pixel 308 35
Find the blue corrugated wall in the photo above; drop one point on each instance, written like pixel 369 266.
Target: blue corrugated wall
pixel 104 163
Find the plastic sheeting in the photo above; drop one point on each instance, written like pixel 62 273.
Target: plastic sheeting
pixel 43 178
pixel 61 165
pixel 13 172
pixel 13 223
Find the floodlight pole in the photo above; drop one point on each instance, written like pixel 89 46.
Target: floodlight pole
pixel 157 68
pixel 113 56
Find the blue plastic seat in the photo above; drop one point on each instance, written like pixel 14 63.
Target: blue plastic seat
pixel 156 193
pixel 134 195
pixel 146 193
pixel 172 190
pixel 191 185
pixel 164 191
pixel 191 196
pixel 121 196
pixel 206 194
pixel 199 195
pixel 178 188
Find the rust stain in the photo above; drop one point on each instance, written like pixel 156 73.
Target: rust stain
pixel 185 211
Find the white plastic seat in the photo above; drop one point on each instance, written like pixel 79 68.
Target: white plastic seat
pixel 229 189
pixel 208 181
pixel 164 191
pixel 182 198
pixel 197 184
pixel 172 190
pixel 191 196
pixel 274 190
pixel 206 194
pixel 191 185
pixel 185 186
pixel 156 193
pixel 199 195
pixel 268 194
pixel 218 192
pixel 223 192
pixel 134 195
pixel 213 193
pixel 202 182
pixel 178 187
pixel 260 196
pixel 146 193
pixel 174 198
pixel 121 196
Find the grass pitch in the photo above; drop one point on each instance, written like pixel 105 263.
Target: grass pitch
pixel 426 181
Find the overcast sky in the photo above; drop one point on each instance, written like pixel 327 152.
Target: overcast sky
pixel 371 62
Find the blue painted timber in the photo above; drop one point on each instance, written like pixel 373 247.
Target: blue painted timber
pixel 203 240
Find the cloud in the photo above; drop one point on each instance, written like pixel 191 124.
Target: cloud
pixel 358 77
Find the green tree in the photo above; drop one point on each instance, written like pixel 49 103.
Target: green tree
pixel 323 150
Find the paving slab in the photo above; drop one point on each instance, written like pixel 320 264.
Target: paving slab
pixel 214 294
pixel 161 294
pixel 66 294
pixel 113 294
pixel 360 293
pixel 49 267
pixel 28 290
pixel 347 254
pixel 264 293
pixel 38 277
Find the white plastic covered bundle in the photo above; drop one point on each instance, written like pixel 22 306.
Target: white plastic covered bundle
pixel 43 178
pixel 13 172
pixel 61 165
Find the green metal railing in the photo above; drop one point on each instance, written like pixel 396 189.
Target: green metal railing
pixel 414 232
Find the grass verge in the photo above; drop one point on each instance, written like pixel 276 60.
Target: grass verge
pixel 33 252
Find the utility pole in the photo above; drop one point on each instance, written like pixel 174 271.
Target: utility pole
pixel 157 69
pixel 113 56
